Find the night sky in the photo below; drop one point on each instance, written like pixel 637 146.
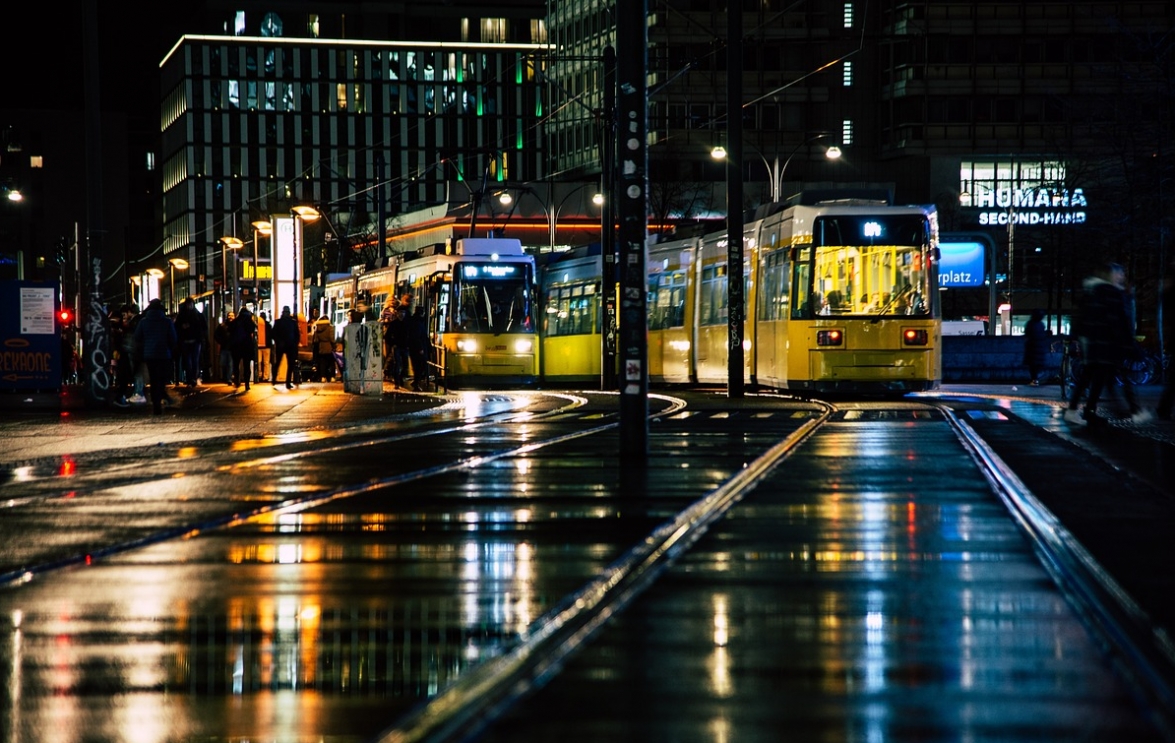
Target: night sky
pixel 48 40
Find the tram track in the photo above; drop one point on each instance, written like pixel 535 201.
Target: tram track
pixel 234 512
pixel 710 469
pixel 475 703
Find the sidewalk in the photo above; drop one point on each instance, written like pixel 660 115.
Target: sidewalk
pixel 39 425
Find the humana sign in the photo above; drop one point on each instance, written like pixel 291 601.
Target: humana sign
pixel 1032 206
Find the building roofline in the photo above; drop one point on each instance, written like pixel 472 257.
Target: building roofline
pixel 308 41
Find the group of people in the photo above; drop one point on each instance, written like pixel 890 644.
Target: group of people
pixel 152 348
pixel 1104 327
pixel 405 339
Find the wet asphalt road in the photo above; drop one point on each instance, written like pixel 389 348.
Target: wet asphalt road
pixel 315 582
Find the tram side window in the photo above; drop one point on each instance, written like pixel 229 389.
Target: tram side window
pixel 713 289
pixel 667 300
pixel 773 290
pixel 802 297
pixel 572 310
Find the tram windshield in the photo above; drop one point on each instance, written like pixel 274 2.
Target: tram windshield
pixel 493 298
pixel 866 265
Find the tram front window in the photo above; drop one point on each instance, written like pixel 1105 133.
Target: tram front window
pixel 492 298
pixel 872 266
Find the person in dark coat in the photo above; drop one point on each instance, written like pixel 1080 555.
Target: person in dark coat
pixel 286 336
pixel 243 342
pixel 1105 330
pixel 417 338
pixel 158 342
pixel 192 330
pixel 1036 347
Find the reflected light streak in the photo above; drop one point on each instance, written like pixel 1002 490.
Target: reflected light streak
pixel 718 664
pixel 278 440
pixel 187 452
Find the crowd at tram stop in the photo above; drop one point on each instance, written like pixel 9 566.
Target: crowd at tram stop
pixel 1104 327
pixel 152 349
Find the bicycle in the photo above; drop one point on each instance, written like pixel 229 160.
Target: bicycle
pixel 1070 365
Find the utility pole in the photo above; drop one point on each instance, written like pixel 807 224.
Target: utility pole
pixel 632 191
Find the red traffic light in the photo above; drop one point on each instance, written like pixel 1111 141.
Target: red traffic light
pixel 65 316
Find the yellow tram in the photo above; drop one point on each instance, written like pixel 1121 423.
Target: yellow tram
pixel 841 293
pixel 478 295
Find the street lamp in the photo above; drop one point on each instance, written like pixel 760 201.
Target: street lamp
pixel 260 227
pixel 153 276
pixel 300 213
pixel 227 244
pixel 182 265
pixel 775 171
pixel 506 199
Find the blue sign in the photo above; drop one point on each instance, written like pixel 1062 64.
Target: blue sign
pixel 961 264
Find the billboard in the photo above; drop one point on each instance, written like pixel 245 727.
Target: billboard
pixel 30 341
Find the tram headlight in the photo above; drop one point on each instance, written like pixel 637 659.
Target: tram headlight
pixel 834 337
pixel 523 345
pixel 467 345
pixel 914 336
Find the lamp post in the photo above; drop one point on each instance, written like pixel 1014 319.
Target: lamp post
pixel 182 265
pixel 226 244
pixel 552 215
pixel 301 213
pixel 260 227
pixel 154 274
pixel 775 171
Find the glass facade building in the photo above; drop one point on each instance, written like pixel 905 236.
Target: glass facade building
pixel 255 125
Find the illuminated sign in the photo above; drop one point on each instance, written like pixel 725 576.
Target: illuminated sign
pixel 960 264
pixel 871 229
pixel 1031 206
pixel 489 270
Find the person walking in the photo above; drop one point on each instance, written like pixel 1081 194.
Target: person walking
pixel 286 336
pixel 121 344
pixel 323 342
pixel 158 343
pixel 1036 347
pixel 417 340
pixel 264 367
pixel 1103 326
pixel 223 340
pixel 243 341
pixel 398 345
pixel 192 330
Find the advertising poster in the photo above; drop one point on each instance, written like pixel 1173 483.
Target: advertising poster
pixel 30 343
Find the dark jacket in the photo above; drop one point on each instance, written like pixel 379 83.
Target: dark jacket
pixel 1103 323
pixel 190 325
pixel 243 333
pixel 417 332
pixel 1036 341
pixel 155 335
pixel 286 334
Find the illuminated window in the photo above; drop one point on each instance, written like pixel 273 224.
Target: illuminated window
pixel 239 23
pixel 848 15
pixel 150 161
pixel 36 161
pixel 312 25
pixel 848 74
pixel 846 132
